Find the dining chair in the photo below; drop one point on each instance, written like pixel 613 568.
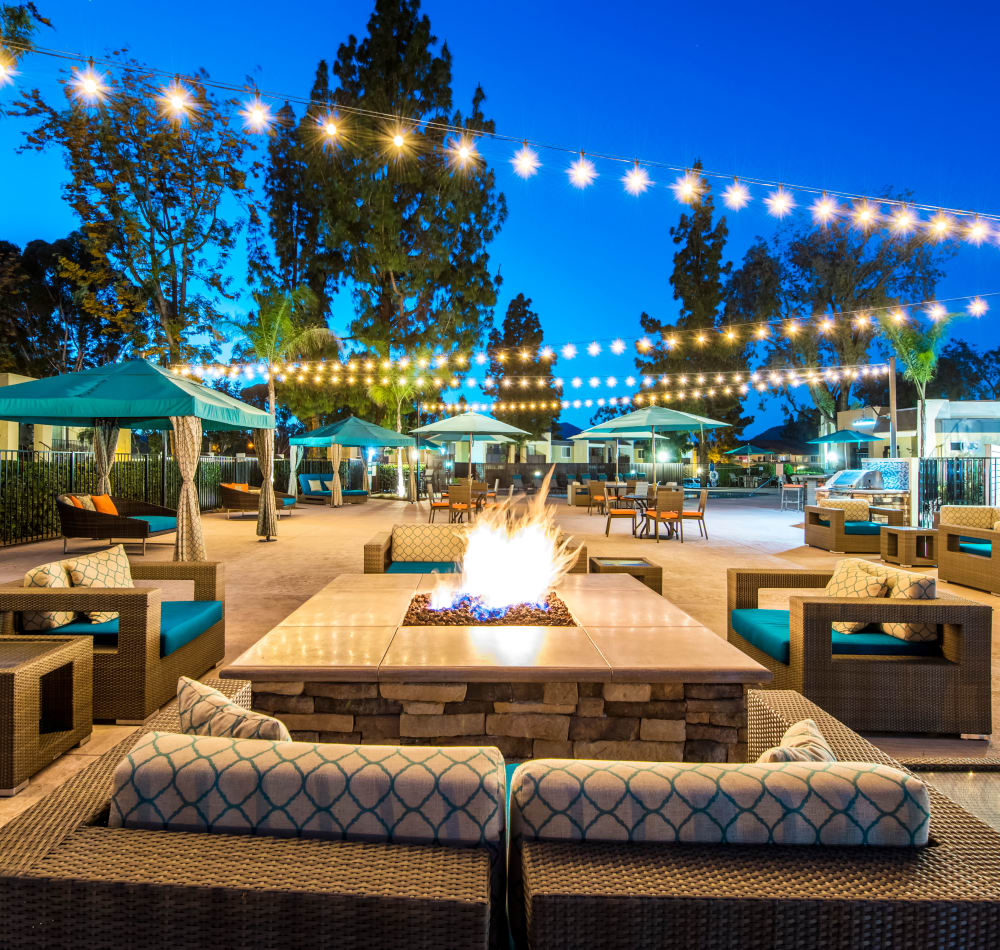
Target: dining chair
pixel 618 507
pixel 598 496
pixel 460 502
pixel 669 505
pixel 440 503
pixel 698 514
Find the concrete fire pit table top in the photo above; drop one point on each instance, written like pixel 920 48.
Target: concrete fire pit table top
pixel 351 631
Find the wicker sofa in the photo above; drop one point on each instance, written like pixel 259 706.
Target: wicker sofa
pixel 848 526
pixel 872 681
pixel 133 675
pixel 567 895
pixel 239 499
pixel 69 881
pixel 135 521
pixel 424 548
pixel 969 546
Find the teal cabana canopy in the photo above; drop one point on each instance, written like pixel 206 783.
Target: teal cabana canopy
pixel 134 395
pixel 354 433
pixel 842 436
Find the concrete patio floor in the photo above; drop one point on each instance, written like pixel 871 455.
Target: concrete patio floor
pixel 266 581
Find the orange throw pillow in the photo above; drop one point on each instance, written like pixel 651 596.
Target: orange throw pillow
pixel 76 501
pixel 104 504
pixel 243 486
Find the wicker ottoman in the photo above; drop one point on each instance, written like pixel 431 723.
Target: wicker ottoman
pixel 46 685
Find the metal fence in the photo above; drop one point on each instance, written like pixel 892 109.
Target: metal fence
pixel 956 481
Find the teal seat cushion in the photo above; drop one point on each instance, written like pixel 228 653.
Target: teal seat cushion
pixel 181 621
pixel 286 501
pixel 355 491
pixel 861 527
pixel 421 567
pixel 975 546
pixel 157 522
pixel 304 488
pixel 768 630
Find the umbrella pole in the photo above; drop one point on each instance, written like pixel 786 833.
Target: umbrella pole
pixel 616 460
pixel 652 439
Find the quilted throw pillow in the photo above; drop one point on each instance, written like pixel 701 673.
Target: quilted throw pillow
pixel 802 742
pixel 854 510
pixel 850 579
pixel 969 516
pixel 204 711
pixel 107 569
pixel 48 575
pixel 85 501
pixel 428 542
pixel 904 585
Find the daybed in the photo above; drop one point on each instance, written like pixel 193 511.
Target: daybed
pixel 872 680
pixel 138 655
pixel 968 547
pixel 309 492
pixel 243 498
pixel 133 520
pixel 848 526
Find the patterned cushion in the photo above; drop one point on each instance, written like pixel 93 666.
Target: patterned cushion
pixel 204 711
pixel 970 516
pixel 904 585
pixel 86 502
pixel 428 542
pixel 850 579
pixel 48 575
pixel 802 742
pixel 107 569
pixel 854 510
pixel 406 794
pixel 829 803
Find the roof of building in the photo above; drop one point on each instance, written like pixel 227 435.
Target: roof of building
pixel 562 431
pixel 777 439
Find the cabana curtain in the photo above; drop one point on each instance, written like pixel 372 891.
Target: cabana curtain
pixel 267 517
pixel 105 442
pixel 190 544
pixel 336 490
pixel 294 457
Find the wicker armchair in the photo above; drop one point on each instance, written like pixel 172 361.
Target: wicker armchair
pixel 968 548
pixel 68 881
pixel 132 679
pixel 135 521
pixel 827 528
pixel 946 691
pixel 235 499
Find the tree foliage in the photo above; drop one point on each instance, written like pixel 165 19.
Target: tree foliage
pixel 151 193
pixel 521 330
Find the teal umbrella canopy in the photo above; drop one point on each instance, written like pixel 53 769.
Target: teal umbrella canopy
pixel 661 419
pixel 597 434
pixel 353 432
pixel 446 437
pixel 749 449
pixel 133 395
pixel 842 436
pixel 468 423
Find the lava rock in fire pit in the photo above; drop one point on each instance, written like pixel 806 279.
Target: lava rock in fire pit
pixel 469 613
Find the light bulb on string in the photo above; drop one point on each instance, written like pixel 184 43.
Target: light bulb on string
pixel 568 351
pixel 865 215
pixel 779 202
pixel 636 180
pixel 7 70
pixel 736 196
pixel 89 85
pixel 464 154
pixel 688 188
pixel 903 221
pixel 525 162
pixel 977 232
pixel 824 209
pixel 937 311
pixel 176 103
pixel 256 115
pixel 977 307
pixel 594 348
pixel 618 347
pixel 940 226
pixel 582 172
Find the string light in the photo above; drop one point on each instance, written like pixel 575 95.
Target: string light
pixel 940 226
pixel 978 306
pixel 688 188
pixel 7 70
pixel 329 127
pixel 89 85
pixel 568 351
pixel 824 209
pixel 977 232
pixel 865 216
pixel 176 101
pixel 736 196
pixel 618 347
pixel 903 221
pixel 525 162
pixel 464 153
pixel 779 202
pixel 582 172
pixel 399 140
pixel 636 180
pixel 257 115
pixel 937 311
pixel 594 348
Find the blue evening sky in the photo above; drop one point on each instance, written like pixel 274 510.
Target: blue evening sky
pixel 849 95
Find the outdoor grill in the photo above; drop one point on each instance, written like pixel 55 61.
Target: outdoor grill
pixel 854 479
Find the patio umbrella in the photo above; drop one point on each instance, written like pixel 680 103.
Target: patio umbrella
pixel 748 450
pixel 594 434
pixel 844 435
pixel 468 425
pixel 655 419
pixel 140 395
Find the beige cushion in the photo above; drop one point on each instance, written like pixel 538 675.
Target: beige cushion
pixel 802 742
pixel 851 579
pixel 854 510
pixel 204 711
pixel 315 484
pixel 47 575
pixel 785 803
pixel 970 516
pixel 105 569
pixel 428 542
pixel 86 501
pixel 902 585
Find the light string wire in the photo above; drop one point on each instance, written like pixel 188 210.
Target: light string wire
pixel 447 127
pixel 865 318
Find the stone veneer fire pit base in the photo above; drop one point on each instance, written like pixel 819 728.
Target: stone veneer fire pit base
pixel 669 722
pixel 635 677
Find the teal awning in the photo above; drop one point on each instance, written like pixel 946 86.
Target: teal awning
pixel 133 395
pixel 353 432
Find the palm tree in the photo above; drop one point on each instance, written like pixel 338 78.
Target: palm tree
pixel 272 336
pixel 917 349
pixel 392 396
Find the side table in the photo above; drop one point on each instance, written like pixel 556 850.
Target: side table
pixel 46 691
pixel 908 547
pixel 646 571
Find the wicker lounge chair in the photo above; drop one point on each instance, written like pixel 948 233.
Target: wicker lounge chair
pixel 131 677
pixel 236 499
pixel 836 529
pixel 135 521
pixel 872 681
pixel 968 547
pixel 68 881
pixel 620 896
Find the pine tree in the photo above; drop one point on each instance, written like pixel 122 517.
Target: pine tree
pixel 519 341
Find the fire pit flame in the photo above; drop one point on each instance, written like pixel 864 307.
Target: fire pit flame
pixel 509 559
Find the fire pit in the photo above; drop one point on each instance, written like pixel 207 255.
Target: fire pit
pixel 469 611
